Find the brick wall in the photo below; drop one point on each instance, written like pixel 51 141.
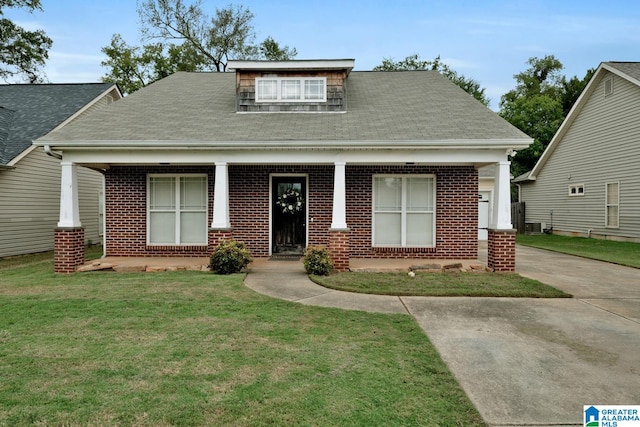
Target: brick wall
pixel 68 249
pixel 126 211
pixel 216 236
pixel 456 212
pixel 339 249
pixel 501 250
pixel 249 206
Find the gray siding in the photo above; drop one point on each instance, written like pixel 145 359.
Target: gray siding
pixel 602 145
pixel 30 200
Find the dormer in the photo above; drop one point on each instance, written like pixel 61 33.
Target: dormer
pixel 305 86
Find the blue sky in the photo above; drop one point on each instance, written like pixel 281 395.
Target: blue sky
pixel 488 40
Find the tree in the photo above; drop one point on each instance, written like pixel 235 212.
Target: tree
pixel 133 67
pixel 22 52
pixel 229 34
pixel 186 40
pixel 413 62
pixel 573 88
pixel 537 106
pixel 271 50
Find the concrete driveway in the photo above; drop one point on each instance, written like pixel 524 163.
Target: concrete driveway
pixel 536 362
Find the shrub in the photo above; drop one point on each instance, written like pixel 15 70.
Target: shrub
pixel 317 261
pixel 230 256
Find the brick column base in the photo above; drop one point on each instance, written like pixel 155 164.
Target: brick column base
pixel 501 250
pixel 340 248
pixel 216 235
pixel 68 249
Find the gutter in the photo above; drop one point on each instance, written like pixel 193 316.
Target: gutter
pixel 50 152
pixel 509 144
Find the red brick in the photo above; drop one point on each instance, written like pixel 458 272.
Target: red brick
pixel 68 249
pixel 249 209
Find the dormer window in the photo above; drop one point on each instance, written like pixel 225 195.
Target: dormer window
pixel 298 89
pixel 306 86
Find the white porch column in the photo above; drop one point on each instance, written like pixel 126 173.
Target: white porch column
pixel 221 197
pixel 339 215
pixel 502 198
pixel 69 206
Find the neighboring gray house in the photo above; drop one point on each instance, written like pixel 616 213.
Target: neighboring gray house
pixel 587 182
pixel 29 178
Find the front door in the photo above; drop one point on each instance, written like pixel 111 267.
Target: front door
pixel 289 208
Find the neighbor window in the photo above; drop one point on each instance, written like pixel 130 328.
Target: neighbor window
pixel 576 190
pixel 177 213
pixel 297 89
pixel 404 211
pixel 612 204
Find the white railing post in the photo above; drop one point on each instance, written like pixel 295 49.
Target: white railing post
pixel 339 214
pixel 221 197
pixel 501 219
pixel 69 206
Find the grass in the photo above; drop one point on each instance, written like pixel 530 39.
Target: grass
pixel 440 284
pixel 623 253
pixel 192 348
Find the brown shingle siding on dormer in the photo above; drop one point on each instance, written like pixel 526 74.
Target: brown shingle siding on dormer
pixel 246 92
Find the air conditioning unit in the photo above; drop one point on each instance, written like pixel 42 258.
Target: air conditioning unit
pixel 534 227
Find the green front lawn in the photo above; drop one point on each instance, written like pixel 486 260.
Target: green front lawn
pixel 623 253
pixel 192 348
pixel 440 284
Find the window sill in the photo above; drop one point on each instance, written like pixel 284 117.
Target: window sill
pixel 183 248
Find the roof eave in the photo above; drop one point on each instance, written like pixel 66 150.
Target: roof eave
pixel 309 64
pixel 493 144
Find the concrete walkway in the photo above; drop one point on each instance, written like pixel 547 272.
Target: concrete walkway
pixel 521 361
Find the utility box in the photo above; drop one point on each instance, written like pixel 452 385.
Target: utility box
pixel 534 227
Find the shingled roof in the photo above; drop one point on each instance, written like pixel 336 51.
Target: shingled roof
pixel 29 111
pixel 382 106
pixel 631 69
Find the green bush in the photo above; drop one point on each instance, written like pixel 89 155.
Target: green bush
pixel 230 256
pixel 317 261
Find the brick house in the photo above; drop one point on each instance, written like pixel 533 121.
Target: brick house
pixel 283 155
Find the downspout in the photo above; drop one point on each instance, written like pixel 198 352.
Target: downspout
pixel 50 152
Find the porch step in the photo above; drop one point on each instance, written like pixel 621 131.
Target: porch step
pixel 286 257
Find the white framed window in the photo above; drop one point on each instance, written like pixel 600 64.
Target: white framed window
pixel 295 89
pixel 612 208
pixel 404 210
pixel 177 210
pixel 266 89
pixel 576 190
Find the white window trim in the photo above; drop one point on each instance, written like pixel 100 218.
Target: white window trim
pixel 177 224
pixel 607 205
pixel 577 187
pixel 302 81
pixel 403 237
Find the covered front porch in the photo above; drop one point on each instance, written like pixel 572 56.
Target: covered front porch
pixel 335 223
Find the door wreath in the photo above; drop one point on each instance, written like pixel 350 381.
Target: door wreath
pixel 290 202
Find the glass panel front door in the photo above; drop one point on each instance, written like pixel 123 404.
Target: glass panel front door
pixel 289 207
